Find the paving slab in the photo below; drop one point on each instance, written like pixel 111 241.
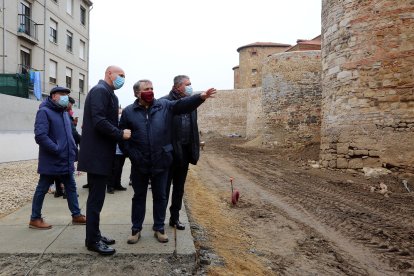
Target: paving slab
pixel 65 238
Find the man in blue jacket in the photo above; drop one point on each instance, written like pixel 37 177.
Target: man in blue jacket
pixel 150 151
pixel 57 154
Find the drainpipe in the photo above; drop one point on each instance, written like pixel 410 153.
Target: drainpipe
pixel 44 47
pixel 4 39
pixel 87 64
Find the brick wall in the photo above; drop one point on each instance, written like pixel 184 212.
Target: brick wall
pixel 292 98
pixel 368 84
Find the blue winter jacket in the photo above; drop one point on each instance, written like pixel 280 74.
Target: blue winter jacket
pixel 150 149
pixel 53 134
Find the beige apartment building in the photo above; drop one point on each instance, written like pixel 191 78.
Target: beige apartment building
pixel 44 42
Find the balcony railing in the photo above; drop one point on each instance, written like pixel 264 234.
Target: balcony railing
pixel 27 26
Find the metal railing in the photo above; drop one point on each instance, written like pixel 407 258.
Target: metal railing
pixel 27 26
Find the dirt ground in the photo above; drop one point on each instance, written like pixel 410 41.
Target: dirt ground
pixel 292 219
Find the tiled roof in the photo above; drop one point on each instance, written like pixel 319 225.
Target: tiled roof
pixel 263 44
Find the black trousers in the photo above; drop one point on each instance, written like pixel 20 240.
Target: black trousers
pixel 176 177
pixel 117 170
pixel 97 190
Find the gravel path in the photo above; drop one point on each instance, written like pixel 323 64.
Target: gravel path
pixel 18 181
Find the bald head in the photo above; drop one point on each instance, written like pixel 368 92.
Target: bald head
pixel 112 72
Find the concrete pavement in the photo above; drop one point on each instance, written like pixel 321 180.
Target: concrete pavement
pixel 65 238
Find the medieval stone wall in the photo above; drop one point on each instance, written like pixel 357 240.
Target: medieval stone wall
pixel 232 112
pixel 292 99
pixel 368 84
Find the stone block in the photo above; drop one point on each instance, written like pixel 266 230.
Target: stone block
pixel 342 163
pixel 360 152
pixel 342 148
pixel 355 163
pixel 371 162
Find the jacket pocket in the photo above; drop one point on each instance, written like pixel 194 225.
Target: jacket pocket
pixel 166 156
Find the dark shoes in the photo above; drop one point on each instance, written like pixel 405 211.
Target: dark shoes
pixel 101 248
pixel 111 190
pixel 58 194
pixel 177 224
pixel 107 241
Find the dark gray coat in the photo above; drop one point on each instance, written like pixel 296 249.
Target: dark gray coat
pixel 177 134
pixel 100 131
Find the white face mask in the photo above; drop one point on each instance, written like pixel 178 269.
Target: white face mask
pixel 189 90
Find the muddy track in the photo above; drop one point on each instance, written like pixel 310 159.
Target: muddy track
pixel 344 227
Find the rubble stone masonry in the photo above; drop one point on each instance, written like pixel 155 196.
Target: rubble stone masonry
pixel 292 98
pixel 368 84
pixel 232 112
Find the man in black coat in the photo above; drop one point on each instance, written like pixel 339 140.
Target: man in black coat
pixel 150 151
pixel 100 133
pixel 186 144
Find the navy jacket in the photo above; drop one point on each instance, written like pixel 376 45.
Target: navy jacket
pixel 53 133
pixel 100 131
pixel 150 149
pixel 177 134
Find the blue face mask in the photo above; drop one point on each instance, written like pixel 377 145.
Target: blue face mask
pixel 63 101
pixel 118 82
pixel 189 90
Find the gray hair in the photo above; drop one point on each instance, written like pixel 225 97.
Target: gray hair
pixel 178 80
pixel 137 86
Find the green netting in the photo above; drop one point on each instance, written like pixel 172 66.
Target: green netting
pixel 15 85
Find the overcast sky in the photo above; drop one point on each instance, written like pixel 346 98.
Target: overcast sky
pixel 159 39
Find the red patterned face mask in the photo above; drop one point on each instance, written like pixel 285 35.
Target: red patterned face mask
pixel 147 96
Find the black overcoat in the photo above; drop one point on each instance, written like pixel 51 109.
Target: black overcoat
pixel 100 131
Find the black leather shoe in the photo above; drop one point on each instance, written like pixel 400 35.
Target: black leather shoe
pixel 177 224
pixel 110 190
pixel 101 248
pixel 107 241
pixel 120 188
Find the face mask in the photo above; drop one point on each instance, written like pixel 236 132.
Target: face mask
pixel 63 101
pixel 118 82
pixel 189 90
pixel 147 96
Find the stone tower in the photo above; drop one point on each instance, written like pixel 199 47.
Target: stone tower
pixel 368 84
pixel 251 57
